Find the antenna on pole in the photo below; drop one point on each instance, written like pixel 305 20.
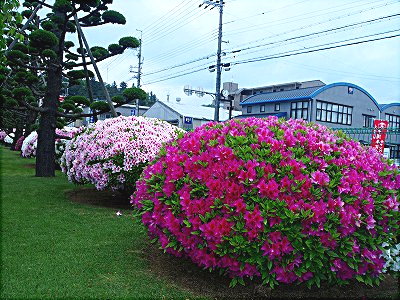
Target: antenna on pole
pixel 139 73
pixel 218 66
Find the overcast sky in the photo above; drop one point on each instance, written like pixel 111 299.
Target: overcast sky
pixel 177 32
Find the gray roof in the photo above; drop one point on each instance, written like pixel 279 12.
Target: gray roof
pixel 281 95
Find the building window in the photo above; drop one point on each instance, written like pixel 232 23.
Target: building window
pixel 299 110
pixel 334 113
pixel 395 152
pixel 262 108
pixel 368 121
pixel 394 121
pixel 277 107
pixel 282 90
pixel 249 109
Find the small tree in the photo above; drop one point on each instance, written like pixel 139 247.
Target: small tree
pixel 50 54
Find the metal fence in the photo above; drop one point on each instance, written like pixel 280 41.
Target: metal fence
pixel 364 136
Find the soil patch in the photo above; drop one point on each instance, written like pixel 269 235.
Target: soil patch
pixel 30 166
pixel 185 274
pixel 106 198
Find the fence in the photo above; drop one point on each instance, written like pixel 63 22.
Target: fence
pixel 364 136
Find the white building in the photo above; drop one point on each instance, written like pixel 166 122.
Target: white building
pixel 186 115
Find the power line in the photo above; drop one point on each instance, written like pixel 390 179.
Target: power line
pixel 313 24
pixel 340 28
pixel 281 42
pixel 157 24
pixel 302 17
pixel 262 58
pixel 183 50
pixel 285 54
pixel 174 27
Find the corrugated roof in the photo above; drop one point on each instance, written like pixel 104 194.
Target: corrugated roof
pixel 197 111
pixel 281 95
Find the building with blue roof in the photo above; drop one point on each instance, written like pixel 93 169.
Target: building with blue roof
pixel 339 105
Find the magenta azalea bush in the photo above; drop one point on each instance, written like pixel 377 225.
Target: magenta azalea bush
pixel 113 153
pixel 287 201
pixel 18 144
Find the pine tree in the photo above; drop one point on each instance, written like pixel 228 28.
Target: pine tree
pixel 48 53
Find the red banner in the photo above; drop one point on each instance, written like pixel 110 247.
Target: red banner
pixel 379 135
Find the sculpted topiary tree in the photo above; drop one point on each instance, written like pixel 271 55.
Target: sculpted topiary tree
pixel 47 53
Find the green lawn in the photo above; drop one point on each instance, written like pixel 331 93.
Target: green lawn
pixel 54 248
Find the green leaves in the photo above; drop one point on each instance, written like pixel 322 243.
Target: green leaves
pixel 43 39
pixel 79 74
pixel 112 16
pixel 129 42
pixel 134 93
pixel 100 105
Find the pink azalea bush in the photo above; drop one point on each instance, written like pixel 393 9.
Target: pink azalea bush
pixel 113 152
pixel 287 201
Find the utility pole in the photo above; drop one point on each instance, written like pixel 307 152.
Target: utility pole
pixel 218 83
pixel 139 69
pixel 220 4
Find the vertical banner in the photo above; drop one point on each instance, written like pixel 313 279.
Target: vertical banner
pixel 379 135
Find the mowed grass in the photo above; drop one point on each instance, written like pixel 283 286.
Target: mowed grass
pixel 54 248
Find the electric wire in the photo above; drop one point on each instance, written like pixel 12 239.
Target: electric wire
pixel 289 53
pixel 280 43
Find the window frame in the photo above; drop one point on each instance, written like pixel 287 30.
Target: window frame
pixel 334 113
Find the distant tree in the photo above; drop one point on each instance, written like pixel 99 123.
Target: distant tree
pixel 123 85
pixel 49 53
pixel 150 99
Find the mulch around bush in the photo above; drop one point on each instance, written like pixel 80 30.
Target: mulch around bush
pixel 106 198
pixel 188 276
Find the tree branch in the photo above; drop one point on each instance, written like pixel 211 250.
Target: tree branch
pixel 44 4
pixel 81 115
pixel 100 59
pixel 92 25
pixel 34 108
pixel 37 68
pixel 89 14
pixel 25 26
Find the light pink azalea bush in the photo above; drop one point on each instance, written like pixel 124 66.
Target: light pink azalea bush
pixel 3 135
pixel 287 201
pixel 28 148
pixel 113 152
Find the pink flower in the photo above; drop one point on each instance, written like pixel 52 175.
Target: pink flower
pixel 320 178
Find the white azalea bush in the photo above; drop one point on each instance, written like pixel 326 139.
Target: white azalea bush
pixel 112 153
pixel 392 257
pixel 29 145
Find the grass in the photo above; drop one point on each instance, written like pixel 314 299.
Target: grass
pixel 54 248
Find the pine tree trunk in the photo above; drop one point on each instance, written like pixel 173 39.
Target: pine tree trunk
pixel 45 152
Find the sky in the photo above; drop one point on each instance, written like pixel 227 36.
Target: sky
pixel 180 37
